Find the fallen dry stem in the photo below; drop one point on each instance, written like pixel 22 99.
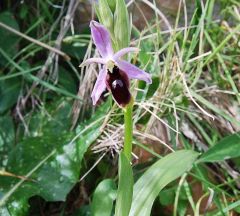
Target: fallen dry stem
pixel 59 52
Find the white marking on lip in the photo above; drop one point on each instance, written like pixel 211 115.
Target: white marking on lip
pixel 117 82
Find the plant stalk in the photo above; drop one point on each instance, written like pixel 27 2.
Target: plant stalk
pixel 128 130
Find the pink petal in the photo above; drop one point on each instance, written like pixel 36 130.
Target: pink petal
pixel 133 72
pixel 124 51
pixel 93 60
pixel 101 38
pixel 99 86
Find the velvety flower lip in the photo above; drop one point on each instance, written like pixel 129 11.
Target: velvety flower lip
pixel 102 40
pixel 117 83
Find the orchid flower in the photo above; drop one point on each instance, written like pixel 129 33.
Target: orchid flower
pixel 115 73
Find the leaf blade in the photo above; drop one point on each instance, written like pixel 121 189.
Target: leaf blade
pixel 121 25
pixel 226 148
pixel 125 187
pixel 165 170
pixel 59 170
pixel 103 198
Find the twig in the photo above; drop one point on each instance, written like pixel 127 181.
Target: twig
pixel 53 49
pixel 152 137
pixel 189 93
pixel 94 165
pixel 52 55
pixel 5 173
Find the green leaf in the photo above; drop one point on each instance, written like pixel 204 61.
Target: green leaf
pixel 125 187
pixel 75 46
pixel 106 16
pixel 112 5
pixel 9 91
pixel 225 149
pixel 8 40
pixel 82 211
pixel 4 212
pixel 166 197
pixel 7 137
pixel 121 25
pixel 52 160
pixel 161 173
pixel 66 81
pixel 54 119
pixel 103 198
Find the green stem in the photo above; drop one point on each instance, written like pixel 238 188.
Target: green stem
pixel 128 131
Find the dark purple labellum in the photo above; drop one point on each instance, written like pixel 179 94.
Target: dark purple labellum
pixel 118 83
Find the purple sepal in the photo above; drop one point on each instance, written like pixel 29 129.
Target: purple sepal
pixel 134 72
pixel 99 86
pixel 101 38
